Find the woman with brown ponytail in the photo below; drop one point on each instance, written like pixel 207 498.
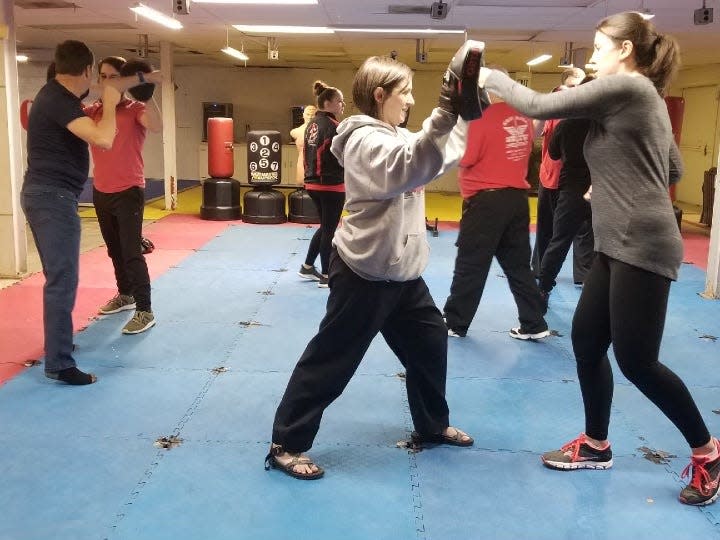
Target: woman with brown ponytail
pixel 323 178
pixel 632 159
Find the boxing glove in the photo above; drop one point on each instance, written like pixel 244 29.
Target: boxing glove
pixel 459 93
pixel 144 91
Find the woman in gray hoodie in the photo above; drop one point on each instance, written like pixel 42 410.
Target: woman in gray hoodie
pixel 379 252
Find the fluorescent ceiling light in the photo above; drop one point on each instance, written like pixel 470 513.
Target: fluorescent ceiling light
pixel 401 30
pixel 235 53
pixel 539 60
pixel 22 58
pixel 266 29
pixel 156 16
pixel 262 2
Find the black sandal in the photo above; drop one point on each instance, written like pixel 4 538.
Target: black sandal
pixel 441 438
pixel 289 468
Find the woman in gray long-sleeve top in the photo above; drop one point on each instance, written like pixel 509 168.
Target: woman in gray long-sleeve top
pixel 632 158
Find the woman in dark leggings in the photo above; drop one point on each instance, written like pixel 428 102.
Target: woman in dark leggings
pixel 323 179
pixel 632 158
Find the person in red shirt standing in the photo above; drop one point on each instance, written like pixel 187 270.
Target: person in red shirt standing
pixel 495 221
pixel 119 199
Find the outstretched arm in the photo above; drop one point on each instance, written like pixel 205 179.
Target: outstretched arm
pixel 596 99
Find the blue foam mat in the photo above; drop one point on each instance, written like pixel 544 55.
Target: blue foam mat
pixel 233 318
pixel 233 497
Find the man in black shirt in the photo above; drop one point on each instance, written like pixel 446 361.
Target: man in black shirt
pixel 58 160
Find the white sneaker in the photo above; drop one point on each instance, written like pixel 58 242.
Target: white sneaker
pixel 518 333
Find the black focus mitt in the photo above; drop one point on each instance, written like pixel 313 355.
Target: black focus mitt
pixel 143 91
pixel 460 93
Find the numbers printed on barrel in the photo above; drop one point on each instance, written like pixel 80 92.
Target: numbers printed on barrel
pixel 264 151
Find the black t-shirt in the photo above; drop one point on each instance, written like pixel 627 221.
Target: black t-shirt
pixel 56 157
pixel 568 139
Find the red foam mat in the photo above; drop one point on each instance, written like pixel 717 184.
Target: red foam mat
pixel 21 319
pixel 697 247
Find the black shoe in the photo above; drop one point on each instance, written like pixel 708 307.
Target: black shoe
pixel 309 273
pixel 455 331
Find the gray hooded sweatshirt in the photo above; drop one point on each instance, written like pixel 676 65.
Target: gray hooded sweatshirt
pixel 383 236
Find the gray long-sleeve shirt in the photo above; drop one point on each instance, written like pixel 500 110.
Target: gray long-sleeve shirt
pixel 632 158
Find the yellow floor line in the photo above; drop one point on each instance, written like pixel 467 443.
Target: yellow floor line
pixel 440 205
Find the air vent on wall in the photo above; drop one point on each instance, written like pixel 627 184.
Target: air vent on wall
pixel 137 52
pixel 436 10
pixel 396 9
pixel 48 4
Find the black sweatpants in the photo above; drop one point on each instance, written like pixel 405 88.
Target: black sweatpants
pixel 583 251
pixel 329 206
pixel 626 306
pixel 494 223
pixel 547 200
pixel 572 219
pixel 357 309
pixel 120 216
pixel 546 203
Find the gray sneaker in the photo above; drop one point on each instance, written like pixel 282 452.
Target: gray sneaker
pixel 141 321
pixel 309 273
pixel 120 302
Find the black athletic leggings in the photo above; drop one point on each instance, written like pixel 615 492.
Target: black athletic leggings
pixel 625 305
pixel 330 206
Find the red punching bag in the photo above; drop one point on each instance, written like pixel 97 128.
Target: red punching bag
pixel 676 110
pixel 25 113
pixel 220 147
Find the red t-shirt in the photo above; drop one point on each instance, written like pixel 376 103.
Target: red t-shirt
pixel 121 167
pixel 497 153
pixel 549 168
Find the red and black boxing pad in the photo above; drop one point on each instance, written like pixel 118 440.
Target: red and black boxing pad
pixel 144 91
pixel 461 81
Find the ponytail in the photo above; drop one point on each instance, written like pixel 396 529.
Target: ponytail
pixel 665 63
pixel 324 93
pixel 657 56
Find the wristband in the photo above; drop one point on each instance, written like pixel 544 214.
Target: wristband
pixel 141 77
